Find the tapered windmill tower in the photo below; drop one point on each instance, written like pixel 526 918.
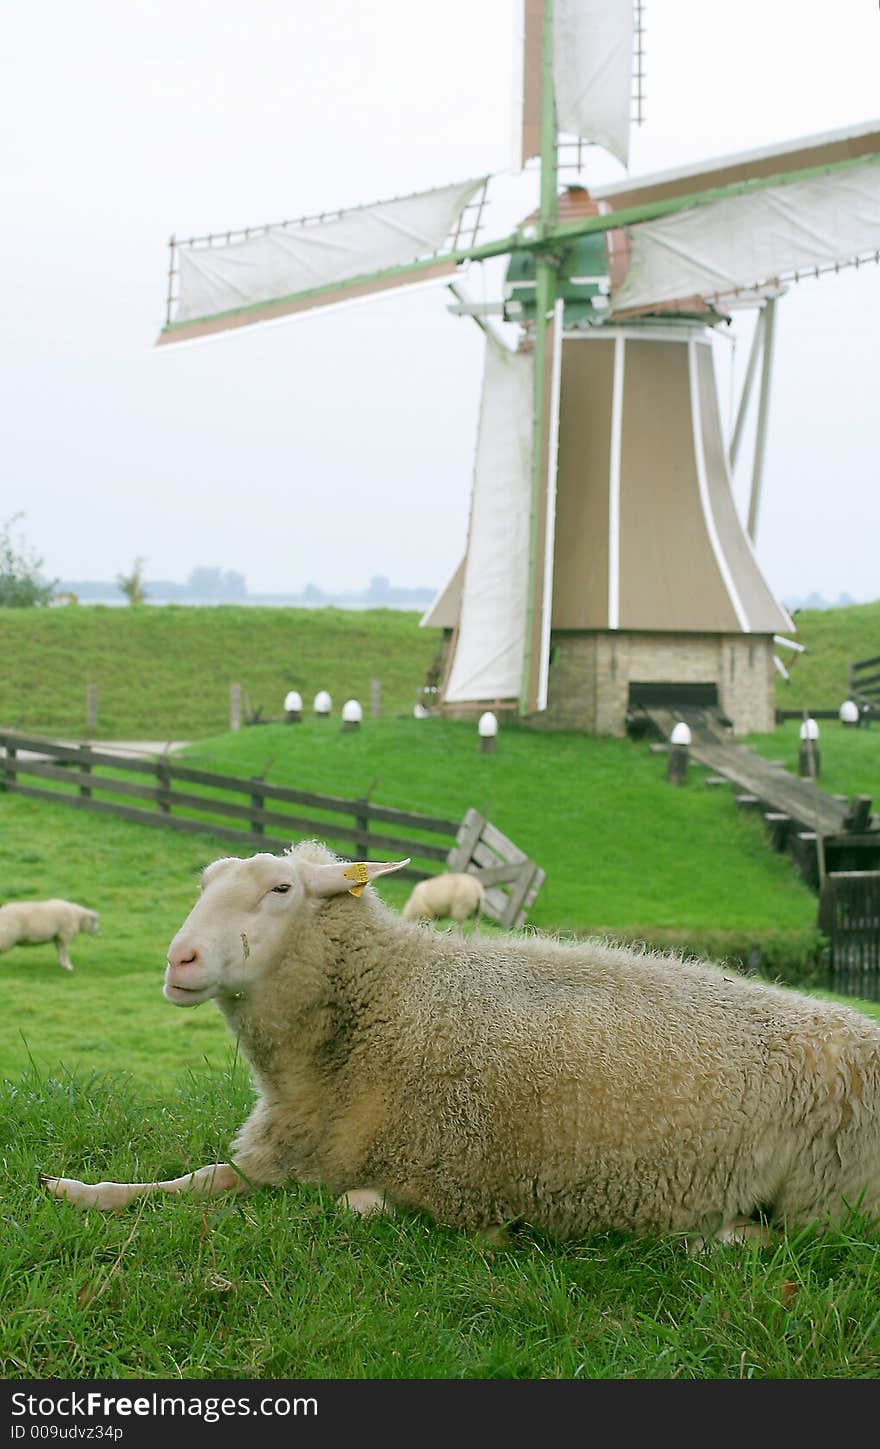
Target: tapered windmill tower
pixel 605 562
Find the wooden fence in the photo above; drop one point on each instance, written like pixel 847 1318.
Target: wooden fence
pixel 849 915
pixel 252 812
pixel 864 684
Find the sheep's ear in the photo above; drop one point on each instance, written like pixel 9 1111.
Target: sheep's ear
pixel 332 880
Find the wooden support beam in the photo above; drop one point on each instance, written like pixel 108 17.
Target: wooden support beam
pixel 778 826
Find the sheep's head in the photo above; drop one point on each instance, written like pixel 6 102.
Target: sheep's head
pixel 235 931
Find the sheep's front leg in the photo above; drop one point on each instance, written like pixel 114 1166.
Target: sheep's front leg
pixel 109 1196
pixel 61 945
pixel 366 1201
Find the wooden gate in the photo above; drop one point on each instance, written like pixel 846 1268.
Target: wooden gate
pixel 511 880
pixel 849 915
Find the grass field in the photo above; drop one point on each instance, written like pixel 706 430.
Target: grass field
pixel 281 1286
pixel 100 1078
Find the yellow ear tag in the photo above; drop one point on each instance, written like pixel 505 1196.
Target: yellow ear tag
pixel 357 872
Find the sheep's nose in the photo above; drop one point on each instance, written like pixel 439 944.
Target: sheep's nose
pixel 183 955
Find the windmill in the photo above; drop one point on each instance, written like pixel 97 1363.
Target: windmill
pixel 606 563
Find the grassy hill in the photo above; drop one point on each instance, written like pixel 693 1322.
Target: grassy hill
pixel 833 638
pixel 165 672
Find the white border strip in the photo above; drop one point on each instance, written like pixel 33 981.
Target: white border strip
pixel 708 517
pixel 517 80
pixel 663 332
pixel 725 458
pixel 614 486
pixel 550 512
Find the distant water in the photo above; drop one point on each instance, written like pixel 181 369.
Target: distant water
pixel 272 601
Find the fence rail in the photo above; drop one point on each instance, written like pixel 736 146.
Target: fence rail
pixel 252 812
pixel 75 775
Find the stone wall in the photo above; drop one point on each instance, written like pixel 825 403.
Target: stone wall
pixel 590 675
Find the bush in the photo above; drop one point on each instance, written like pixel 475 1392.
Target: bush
pixel 21 586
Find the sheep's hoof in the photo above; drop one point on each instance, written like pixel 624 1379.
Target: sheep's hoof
pixel 366 1201
pixel 736 1232
pixel 104 1195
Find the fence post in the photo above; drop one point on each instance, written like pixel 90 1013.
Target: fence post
pixel 85 765
pixel 258 800
pixel 362 822
pixel 235 706
pixel 375 698
pixel 9 766
pixel 91 707
pixel 163 794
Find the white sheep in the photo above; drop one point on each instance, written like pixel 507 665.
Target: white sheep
pixel 33 923
pixel 455 894
pixel 575 1086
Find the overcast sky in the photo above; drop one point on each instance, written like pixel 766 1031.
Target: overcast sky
pixel 339 446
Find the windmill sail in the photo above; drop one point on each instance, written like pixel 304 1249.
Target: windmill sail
pixel 275 270
pixel 487 664
pixel 733 245
pixel 592 71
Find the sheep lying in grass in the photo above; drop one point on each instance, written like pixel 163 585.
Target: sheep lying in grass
pixel 33 923
pixel 453 894
pixel 572 1086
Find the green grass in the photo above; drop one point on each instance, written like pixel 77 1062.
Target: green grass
pixel 100 1078
pixel 834 638
pixel 165 673
pixel 280 1285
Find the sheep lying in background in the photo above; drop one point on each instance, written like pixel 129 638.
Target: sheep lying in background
pixel 33 923
pixel 572 1086
pixel 453 894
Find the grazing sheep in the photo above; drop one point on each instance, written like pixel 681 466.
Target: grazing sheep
pixel 454 894
pixel 33 923
pixel 572 1086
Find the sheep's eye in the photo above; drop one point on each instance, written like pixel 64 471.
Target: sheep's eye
pixel 281 890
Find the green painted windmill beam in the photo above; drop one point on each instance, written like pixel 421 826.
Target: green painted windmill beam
pixel 544 238
pixel 545 297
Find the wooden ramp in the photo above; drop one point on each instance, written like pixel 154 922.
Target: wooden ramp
pixel 800 816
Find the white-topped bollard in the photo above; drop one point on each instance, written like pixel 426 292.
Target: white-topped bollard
pixel 322 704
pixel 808 755
pixel 352 714
pixel 849 713
pixel 293 707
pixel 487 729
pixel 679 753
